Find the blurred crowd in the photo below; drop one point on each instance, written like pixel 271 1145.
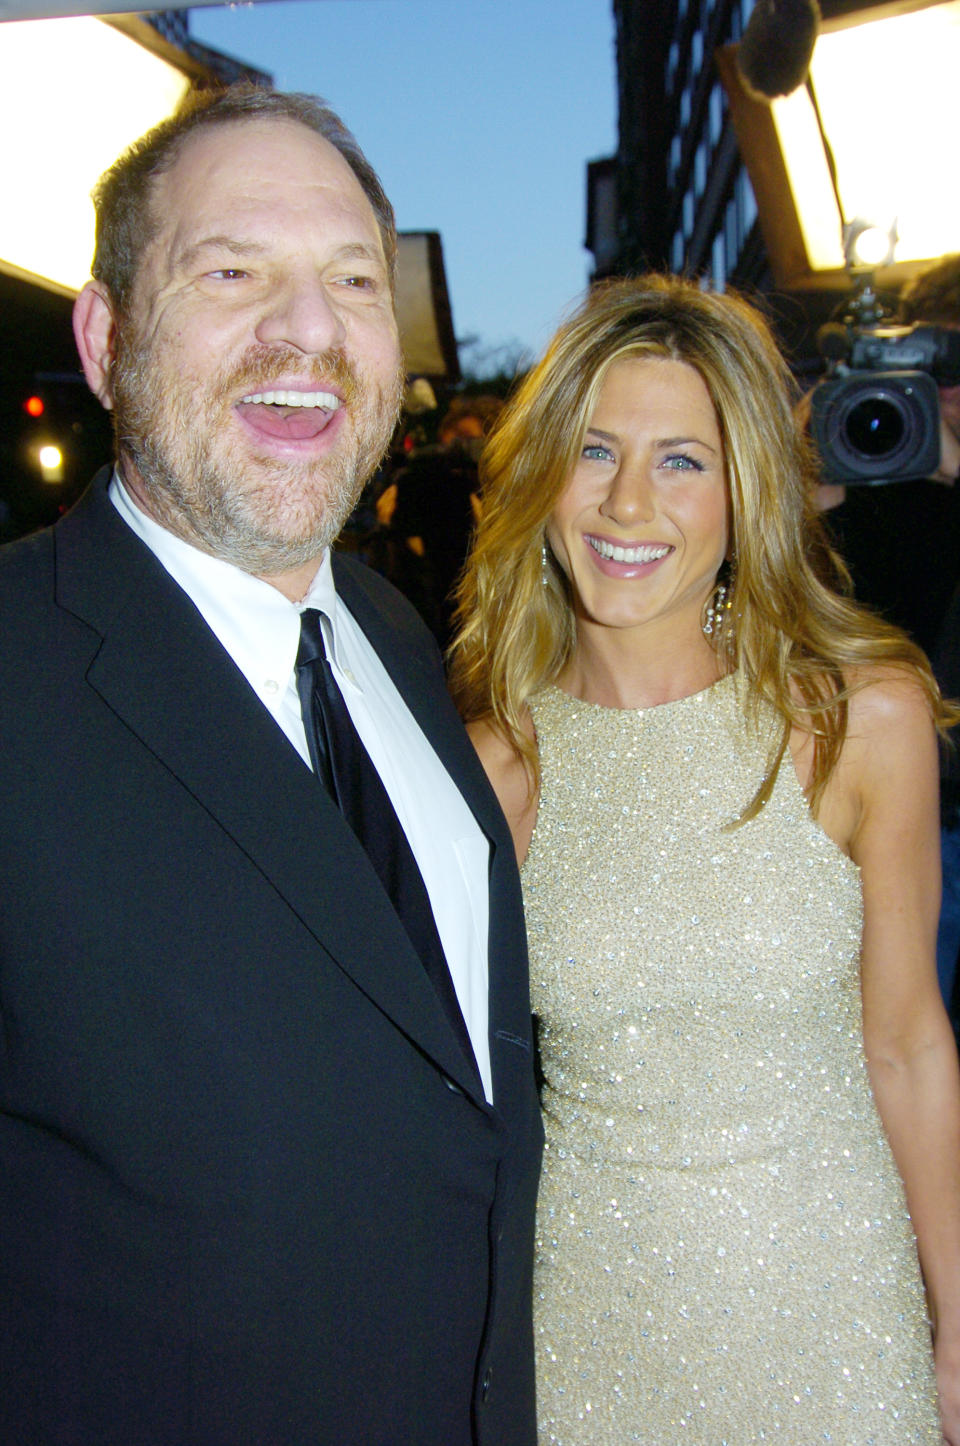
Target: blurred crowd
pixel 415 518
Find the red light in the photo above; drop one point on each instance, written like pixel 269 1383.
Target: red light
pixel 34 407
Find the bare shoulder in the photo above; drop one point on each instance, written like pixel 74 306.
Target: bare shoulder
pixel 888 704
pixel 888 768
pixel 510 778
pixel 889 758
pixel 884 700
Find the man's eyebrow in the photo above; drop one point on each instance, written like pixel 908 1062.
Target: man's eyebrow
pixel 219 243
pixel 351 251
pixel 359 251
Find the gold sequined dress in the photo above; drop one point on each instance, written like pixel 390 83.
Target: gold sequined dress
pixel 724 1251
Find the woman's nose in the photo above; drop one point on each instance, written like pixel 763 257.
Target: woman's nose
pixel 630 498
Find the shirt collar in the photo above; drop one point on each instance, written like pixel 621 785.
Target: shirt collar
pixel 258 626
pixel 322 595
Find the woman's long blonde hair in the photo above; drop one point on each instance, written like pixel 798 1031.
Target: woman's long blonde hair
pixel 795 634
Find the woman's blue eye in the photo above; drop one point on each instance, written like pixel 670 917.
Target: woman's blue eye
pixel 680 462
pixel 595 453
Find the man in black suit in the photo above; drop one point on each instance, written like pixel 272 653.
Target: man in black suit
pixel 263 1180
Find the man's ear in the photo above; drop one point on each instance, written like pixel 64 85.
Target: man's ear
pixel 94 330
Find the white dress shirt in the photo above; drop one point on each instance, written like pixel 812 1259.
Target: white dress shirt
pixel 260 629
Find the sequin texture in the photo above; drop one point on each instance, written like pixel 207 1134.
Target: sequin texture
pixel 724 1254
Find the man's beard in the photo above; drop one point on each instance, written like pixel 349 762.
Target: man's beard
pixel 266 515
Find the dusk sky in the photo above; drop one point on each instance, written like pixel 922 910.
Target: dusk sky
pixel 479 116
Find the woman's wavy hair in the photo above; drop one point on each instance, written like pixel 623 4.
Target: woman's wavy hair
pixel 794 632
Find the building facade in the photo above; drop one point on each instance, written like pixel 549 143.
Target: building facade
pixel 683 199
pixel 677 196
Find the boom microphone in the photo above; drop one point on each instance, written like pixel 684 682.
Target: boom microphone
pixel 777 46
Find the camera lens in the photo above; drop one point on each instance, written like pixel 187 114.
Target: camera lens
pixel 874 427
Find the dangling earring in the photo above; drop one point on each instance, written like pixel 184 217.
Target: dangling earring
pixel 717 619
pixel 716 607
pixel 544 566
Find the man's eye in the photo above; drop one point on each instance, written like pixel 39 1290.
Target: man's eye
pixel 362 283
pixel 228 273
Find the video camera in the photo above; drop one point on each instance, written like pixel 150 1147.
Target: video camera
pixel 875 417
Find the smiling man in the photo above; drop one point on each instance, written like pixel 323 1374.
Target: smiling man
pixel 268 1130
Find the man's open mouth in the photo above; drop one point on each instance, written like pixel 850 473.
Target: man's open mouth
pixel 291 415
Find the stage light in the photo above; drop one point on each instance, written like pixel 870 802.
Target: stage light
pixel 864 138
pixel 866 244
pixel 81 89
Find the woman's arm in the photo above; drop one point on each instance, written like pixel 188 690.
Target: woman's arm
pixel 511 782
pixel 889 769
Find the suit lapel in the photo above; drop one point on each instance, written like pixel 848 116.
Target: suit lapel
pixel 158 667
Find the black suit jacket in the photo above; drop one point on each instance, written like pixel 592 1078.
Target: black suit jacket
pixel 248 1191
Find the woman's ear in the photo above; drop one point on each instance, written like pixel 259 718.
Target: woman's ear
pixel 94 330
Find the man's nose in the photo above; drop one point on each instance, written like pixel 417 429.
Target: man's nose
pixel 302 314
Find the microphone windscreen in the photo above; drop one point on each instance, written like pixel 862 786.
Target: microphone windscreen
pixel 833 341
pixel 777 46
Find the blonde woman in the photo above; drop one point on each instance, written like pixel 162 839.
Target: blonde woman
pixel 721 778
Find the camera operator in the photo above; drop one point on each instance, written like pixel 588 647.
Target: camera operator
pixel 901 543
pixel 934 298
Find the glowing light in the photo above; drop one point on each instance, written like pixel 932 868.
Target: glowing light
pixel 886 92
pixel 51 463
pixel 81 90
pixel 871 245
pixel 33 406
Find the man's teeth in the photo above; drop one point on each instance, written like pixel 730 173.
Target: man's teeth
pixel 326 400
pixel 643 553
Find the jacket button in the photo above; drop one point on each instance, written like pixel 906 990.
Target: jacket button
pixel 485 1384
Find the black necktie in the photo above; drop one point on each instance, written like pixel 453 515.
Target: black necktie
pixel 343 764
